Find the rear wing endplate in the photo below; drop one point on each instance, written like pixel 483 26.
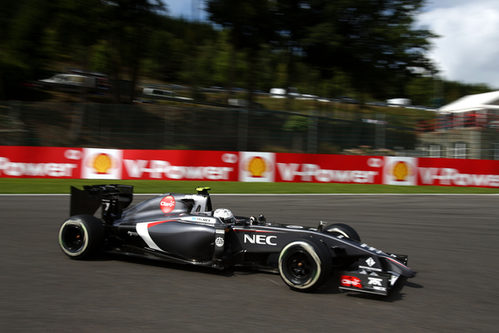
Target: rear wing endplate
pixel 115 197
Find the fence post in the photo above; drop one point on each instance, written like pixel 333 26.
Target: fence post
pixel 242 136
pixel 312 133
pixel 380 128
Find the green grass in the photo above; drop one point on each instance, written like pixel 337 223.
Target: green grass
pixel 49 186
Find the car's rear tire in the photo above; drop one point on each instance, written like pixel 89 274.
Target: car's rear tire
pixel 81 236
pixel 304 266
pixel 341 229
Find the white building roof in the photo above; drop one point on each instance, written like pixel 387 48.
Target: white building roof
pixel 489 100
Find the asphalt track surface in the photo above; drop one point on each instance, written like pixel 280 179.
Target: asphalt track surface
pixel 452 241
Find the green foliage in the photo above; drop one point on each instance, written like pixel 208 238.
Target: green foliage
pixel 450 90
pixel 371 41
pixel 161 186
pixel 12 75
pixel 367 49
pixel 222 58
pixel 249 21
pixel 296 123
pixel 100 56
pixel 421 90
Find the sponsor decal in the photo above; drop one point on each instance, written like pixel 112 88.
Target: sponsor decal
pixel 350 281
pixel 260 239
pixel 180 164
pixel 452 177
pixel 371 268
pixel 101 163
pixel 21 169
pixel 375 162
pixel 256 167
pixel 72 154
pixel 93 163
pixel 229 158
pixel 313 172
pixel 159 169
pixel 252 230
pixel 167 204
pixel 376 284
pixel 370 262
pixel 199 219
pixel 370 248
pixel 219 241
pixel 400 170
pixel 374 281
pixel 39 162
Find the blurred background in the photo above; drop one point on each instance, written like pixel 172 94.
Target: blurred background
pixel 316 76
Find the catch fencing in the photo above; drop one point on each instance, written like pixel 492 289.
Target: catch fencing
pixel 200 127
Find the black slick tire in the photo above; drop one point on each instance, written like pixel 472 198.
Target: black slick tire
pixel 304 266
pixel 81 236
pixel 341 229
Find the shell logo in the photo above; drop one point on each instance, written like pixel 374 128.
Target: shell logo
pixel 102 163
pixel 400 171
pixel 257 166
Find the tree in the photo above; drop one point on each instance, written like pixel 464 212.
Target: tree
pixel 291 17
pixel 77 26
pixel 372 40
pixel 250 26
pixel 128 25
pixel 164 56
pixel 22 54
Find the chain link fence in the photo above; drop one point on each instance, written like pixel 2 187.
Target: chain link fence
pixel 200 127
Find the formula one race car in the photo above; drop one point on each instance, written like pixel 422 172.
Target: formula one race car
pixel 184 228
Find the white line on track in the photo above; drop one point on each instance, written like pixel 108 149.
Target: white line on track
pixel 277 194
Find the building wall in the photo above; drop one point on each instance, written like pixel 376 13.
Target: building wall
pixel 467 142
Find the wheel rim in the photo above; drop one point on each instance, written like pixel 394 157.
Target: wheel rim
pixel 73 238
pixel 300 267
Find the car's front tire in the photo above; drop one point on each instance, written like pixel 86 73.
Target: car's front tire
pixel 304 266
pixel 81 236
pixel 341 229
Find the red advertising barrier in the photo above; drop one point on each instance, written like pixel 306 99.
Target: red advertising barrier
pixel 328 169
pixel 458 172
pixel 180 165
pixel 39 162
pixel 97 163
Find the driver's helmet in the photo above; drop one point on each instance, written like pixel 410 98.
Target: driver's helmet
pixel 225 215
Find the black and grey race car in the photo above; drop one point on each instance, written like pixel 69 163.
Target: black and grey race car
pixel 184 228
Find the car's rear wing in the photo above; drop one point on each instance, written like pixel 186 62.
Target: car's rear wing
pixel 112 198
